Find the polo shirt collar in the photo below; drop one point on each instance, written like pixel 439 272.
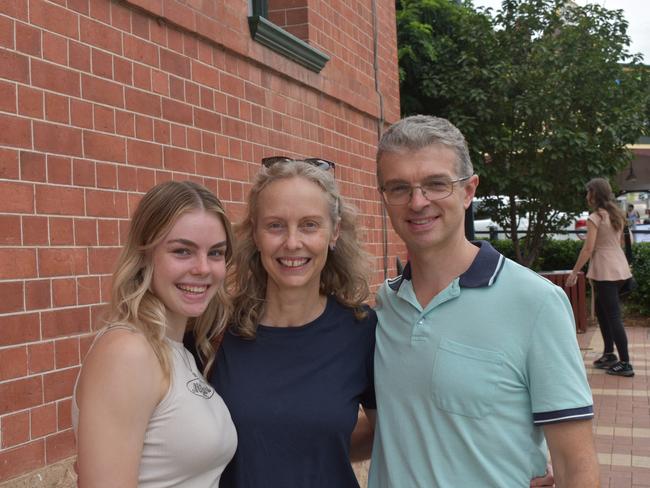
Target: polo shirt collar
pixel 483 271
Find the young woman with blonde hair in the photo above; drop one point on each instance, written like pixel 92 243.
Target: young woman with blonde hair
pixel 608 269
pixel 143 414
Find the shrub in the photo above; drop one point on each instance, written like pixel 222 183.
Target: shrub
pixel 639 299
pixel 554 255
pixel 558 255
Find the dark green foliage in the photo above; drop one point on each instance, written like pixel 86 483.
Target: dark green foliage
pixel 546 93
pixel 639 300
pixel 562 255
pixel 554 255
pixel 557 255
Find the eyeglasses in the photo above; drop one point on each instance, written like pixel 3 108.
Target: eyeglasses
pixel 318 162
pixel 400 193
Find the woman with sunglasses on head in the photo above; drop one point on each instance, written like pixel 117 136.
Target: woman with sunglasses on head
pixel 297 361
pixel 142 412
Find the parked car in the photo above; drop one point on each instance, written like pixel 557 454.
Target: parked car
pixel 641 236
pixel 484 224
pixel 580 225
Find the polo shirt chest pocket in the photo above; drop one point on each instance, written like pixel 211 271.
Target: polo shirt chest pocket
pixel 465 379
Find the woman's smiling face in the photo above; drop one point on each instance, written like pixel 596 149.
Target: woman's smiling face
pixel 188 266
pixel 293 232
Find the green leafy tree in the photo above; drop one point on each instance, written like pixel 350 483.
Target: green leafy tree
pixel 540 90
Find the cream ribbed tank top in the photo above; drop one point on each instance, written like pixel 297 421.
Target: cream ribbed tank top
pixel 190 437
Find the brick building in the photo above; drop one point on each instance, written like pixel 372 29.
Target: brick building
pixel 100 100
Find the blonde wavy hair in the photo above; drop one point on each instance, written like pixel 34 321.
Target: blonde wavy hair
pixel 345 275
pixel 133 303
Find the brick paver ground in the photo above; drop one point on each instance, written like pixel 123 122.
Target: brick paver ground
pixel 622 412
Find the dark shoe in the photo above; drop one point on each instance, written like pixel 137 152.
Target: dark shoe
pixel 621 369
pixel 606 361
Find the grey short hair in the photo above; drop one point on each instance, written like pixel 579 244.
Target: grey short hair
pixel 419 131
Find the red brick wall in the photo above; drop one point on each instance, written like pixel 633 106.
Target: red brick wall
pixel 102 99
pixel 291 15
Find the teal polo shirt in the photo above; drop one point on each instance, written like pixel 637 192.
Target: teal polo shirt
pixel 465 384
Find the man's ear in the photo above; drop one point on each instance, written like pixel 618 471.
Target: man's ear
pixel 470 190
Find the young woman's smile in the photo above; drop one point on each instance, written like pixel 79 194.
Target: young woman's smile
pixel 189 264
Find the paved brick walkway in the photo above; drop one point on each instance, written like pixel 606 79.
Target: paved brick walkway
pixel 622 412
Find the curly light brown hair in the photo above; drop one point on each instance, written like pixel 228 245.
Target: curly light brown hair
pixel 345 275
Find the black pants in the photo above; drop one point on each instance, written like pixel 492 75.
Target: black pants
pixel 608 311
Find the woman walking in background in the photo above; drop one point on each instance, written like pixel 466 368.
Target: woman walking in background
pixel 608 269
pixel 143 414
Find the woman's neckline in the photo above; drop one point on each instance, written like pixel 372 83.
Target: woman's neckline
pixel 274 317
pixel 299 327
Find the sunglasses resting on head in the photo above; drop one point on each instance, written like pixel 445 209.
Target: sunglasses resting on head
pixel 318 162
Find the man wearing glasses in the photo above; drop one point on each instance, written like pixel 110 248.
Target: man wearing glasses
pixel 476 360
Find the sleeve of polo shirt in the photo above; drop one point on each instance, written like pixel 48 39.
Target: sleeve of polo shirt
pixel 557 381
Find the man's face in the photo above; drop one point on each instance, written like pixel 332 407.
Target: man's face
pixel 422 224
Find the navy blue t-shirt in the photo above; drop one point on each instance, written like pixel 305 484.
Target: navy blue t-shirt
pixel 294 395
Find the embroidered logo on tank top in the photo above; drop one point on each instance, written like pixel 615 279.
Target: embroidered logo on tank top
pixel 200 388
pixel 196 386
